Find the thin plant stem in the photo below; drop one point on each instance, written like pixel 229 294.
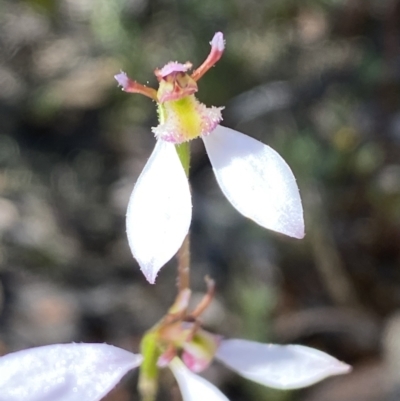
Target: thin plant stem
pixel 184 265
pixel 183 150
pixel 207 299
pixel 183 283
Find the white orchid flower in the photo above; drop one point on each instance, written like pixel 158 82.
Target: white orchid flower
pixel 87 372
pixel 254 178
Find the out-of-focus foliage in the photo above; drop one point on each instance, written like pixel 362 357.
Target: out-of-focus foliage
pixel 318 80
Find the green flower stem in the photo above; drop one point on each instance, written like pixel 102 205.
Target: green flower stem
pixel 148 376
pixel 183 151
pixel 184 265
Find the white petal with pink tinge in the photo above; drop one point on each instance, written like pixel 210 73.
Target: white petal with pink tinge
pixel 64 372
pixel 159 210
pixel 256 180
pixel 279 366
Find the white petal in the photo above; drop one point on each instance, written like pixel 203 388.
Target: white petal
pixel 192 386
pixel 159 210
pixel 279 366
pixel 64 372
pixel 256 180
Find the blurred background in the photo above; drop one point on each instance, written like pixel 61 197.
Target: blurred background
pixel 318 80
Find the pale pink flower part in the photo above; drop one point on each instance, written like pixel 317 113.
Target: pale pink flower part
pixel 199 353
pixel 173 66
pixel 171 130
pixel 122 79
pixel 64 372
pixel 279 366
pixel 218 42
pixel 159 210
pixel 192 386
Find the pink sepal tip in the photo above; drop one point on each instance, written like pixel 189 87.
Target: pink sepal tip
pixel 122 79
pixel 172 67
pixel 218 42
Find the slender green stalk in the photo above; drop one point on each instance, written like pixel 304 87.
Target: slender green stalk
pixel 183 151
pixel 184 265
pixel 148 376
